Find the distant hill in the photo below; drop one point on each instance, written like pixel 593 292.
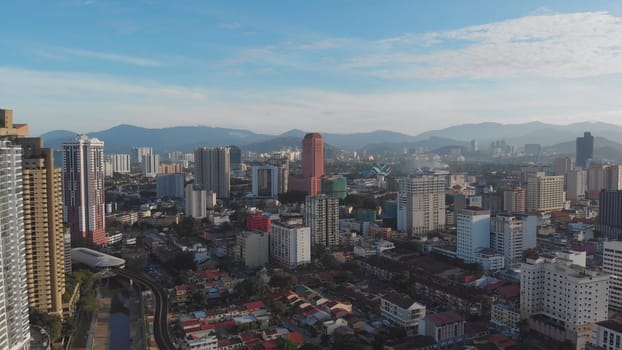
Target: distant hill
pixel 186 138
pixel 604 149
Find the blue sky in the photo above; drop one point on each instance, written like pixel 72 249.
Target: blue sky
pixel 333 66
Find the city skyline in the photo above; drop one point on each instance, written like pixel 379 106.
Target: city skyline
pixel 423 67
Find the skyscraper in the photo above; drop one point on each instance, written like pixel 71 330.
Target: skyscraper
pixel 170 185
pixel 83 189
pixel 196 201
pixel 562 165
pixel 514 200
pixel 120 163
pixel 14 325
pixel 609 218
pixel 322 216
pixel 235 157
pixel 585 150
pixel 506 238
pixel 421 204
pixel 139 152
pixel 313 162
pixel 545 193
pixel 212 169
pixel 473 231
pixel 151 165
pixel 282 163
pixel 43 218
pixel 265 181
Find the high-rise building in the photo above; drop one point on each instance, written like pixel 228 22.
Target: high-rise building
pixel 252 249
pixel 545 193
pixel 609 218
pixel 335 186
pixel 83 189
pixel 235 157
pixel 514 200
pixel 120 163
pixel 196 201
pixel 258 222
pixel 585 150
pixel 612 264
pixel 282 163
pixel 313 162
pixel 290 245
pixel 170 185
pixel 506 238
pixel 613 177
pixel 14 328
pixel 265 181
pixel 212 169
pixel 570 297
pixel 421 204
pixel 322 217
pixel 151 165
pixel 596 180
pixel 43 219
pixel 576 184
pixel 561 166
pixel 473 232
pixel 139 152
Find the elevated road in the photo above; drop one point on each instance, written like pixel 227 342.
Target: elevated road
pixel 160 325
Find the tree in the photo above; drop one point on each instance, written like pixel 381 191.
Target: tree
pixel 89 303
pixel 52 324
pixel 183 261
pixel 283 280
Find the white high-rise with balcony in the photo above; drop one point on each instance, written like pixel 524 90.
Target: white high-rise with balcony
pixel 612 264
pixel 14 323
pixel 473 232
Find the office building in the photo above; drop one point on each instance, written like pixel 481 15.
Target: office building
pixel 265 181
pixel 321 215
pixel 506 238
pixel 585 150
pixel 421 204
pixel 139 152
pixel 170 185
pixel 212 170
pixel 43 218
pixel 607 335
pixel 473 231
pixel 120 163
pixel 562 301
pixel 290 245
pixel 83 189
pixel 613 177
pixel 612 264
pixel 610 218
pixel 514 200
pixel 14 328
pixel 561 166
pixel 576 184
pixel 252 249
pixel 151 165
pixel 313 162
pixel 545 193
pixel 196 201
pixel 282 163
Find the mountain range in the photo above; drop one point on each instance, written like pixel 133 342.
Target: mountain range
pixel 558 138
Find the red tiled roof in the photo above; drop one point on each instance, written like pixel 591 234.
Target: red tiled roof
pixel 510 291
pixel 443 318
pixel 296 337
pixel 270 345
pixel 254 306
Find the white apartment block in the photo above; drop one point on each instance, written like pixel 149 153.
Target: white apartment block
pixel 400 310
pixel 563 294
pixel 139 152
pixel 120 163
pixel 151 165
pixel 545 193
pixel 290 245
pixel 473 232
pixel 505 316
pixel 506 238
pixel 421 204
pixel 196 202
pixel 612 264
pixel 14 325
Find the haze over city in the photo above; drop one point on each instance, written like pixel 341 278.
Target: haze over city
pixel 346 66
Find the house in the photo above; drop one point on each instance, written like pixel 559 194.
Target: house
pixel 445 327
pixel 328 327
pixel 400 310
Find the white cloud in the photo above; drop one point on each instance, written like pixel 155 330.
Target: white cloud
pixel 63 52
pixel 88 102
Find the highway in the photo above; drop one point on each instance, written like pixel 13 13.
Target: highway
pixel 160 325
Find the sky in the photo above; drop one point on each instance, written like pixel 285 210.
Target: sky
pixel 322 65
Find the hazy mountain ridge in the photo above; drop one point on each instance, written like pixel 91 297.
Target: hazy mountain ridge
pixel 186 138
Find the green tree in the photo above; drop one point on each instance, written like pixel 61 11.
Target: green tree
pixel 283 280
pixel 53 324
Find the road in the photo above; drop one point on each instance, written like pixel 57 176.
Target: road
pixel 160 325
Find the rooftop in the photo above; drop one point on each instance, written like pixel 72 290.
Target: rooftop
pixel 444 318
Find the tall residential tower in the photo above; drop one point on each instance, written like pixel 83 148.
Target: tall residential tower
pixel 212 169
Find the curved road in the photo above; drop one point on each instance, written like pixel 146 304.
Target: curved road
pixel 160 325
